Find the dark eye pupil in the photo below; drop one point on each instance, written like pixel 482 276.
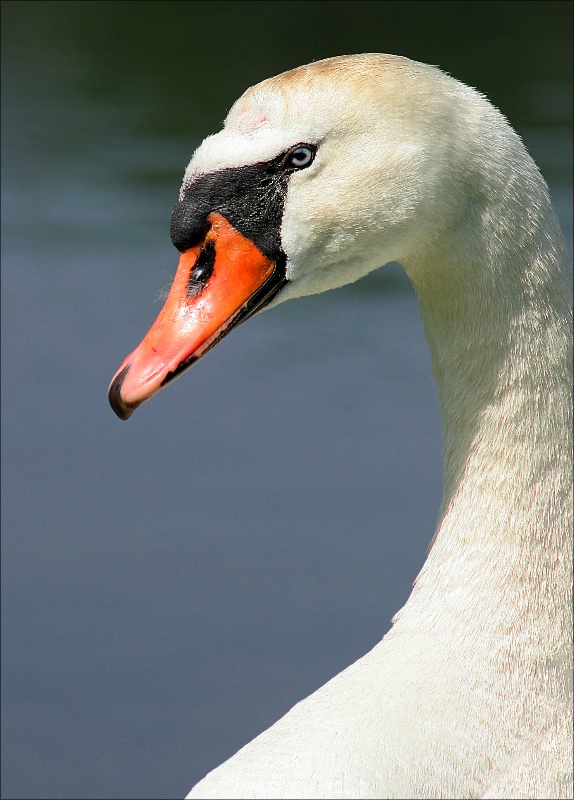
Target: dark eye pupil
pixel 301 157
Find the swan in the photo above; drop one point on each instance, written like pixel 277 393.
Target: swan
pixel 318 176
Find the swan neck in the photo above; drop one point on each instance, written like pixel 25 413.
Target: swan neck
pixel 499 325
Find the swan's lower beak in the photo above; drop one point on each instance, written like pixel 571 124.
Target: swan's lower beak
pixel 219 283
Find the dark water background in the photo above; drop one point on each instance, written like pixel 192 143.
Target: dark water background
pixel 174 584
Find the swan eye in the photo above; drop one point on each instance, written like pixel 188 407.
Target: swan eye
pixel 300 156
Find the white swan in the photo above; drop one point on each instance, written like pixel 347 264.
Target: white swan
pixel 320 175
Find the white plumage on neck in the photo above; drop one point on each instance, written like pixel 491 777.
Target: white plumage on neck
pixel 469 694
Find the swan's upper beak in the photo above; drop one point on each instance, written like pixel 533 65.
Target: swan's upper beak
pixel 220 282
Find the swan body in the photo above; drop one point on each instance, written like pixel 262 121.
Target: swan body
pixel 470 693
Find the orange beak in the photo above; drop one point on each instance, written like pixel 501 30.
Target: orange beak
pixel 218 283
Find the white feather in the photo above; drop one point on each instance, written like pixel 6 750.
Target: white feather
pixel 469 694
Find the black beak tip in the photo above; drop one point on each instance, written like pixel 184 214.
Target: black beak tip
pixel 121 409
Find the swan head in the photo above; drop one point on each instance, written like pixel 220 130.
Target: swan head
pixel 318 176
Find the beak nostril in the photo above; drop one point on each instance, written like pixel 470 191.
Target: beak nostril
pixel 202 270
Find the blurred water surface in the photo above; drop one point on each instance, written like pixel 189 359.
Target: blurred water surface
pixel 172 585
